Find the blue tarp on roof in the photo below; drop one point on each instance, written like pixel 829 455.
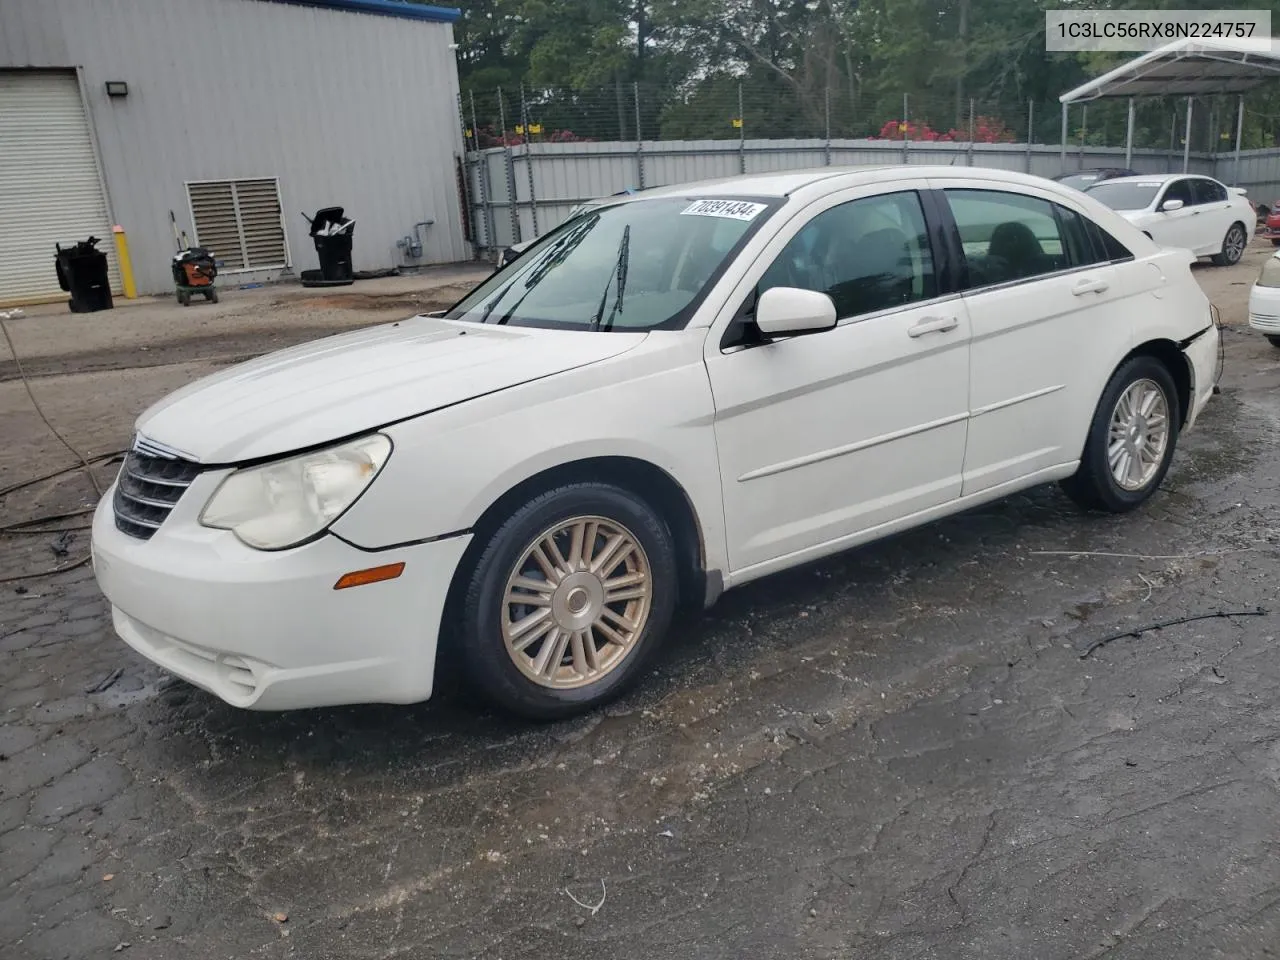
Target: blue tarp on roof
pixel 387 8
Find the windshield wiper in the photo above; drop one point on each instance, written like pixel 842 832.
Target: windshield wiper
pixel 620 271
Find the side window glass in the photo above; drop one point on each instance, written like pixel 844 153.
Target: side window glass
pixel 1112 249
pixel 1207 191
pixel 1179 190
pixel 1081 250
pixel 867 255
pixel 1006 236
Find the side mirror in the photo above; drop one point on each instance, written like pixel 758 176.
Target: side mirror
pixel 782 311
pixel 1169 206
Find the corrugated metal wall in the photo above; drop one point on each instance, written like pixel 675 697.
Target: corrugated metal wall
pixel 1259 173
pixel 566 174
pixel 344 108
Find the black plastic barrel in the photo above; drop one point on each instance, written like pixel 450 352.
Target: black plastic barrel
pixel 333 250
pixel 82 272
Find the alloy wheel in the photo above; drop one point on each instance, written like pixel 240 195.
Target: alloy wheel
pixel 1139 435
pixel 576 602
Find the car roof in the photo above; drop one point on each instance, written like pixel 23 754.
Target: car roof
pixel 789 182
pixel 1088 170
pixel 1163 177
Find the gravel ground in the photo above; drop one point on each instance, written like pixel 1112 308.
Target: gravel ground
pixel 901 752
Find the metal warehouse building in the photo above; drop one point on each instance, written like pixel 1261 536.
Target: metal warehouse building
pixel 237 115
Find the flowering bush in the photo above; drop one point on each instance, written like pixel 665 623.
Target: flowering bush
pixel 985 130
pixel 489 137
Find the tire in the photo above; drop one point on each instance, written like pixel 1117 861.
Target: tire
pixel 211 295
pixel 1233 245
pixel 184 298
pixel 1275 242
pixel 489 627
pixel 1094 485
pixel 1275 341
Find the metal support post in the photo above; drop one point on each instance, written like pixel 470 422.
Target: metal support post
pixel 508 164
pixel 1128 138
pixel 528 160
pixel 1186 141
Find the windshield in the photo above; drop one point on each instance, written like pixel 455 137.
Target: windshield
pixel 1126 194
pixel 641 265
pixel 1080 181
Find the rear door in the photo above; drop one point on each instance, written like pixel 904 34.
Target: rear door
pixel 1215 213
pixel 1043 303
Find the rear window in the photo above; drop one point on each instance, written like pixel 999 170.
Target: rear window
pixel 1126 194
pixel 1081 181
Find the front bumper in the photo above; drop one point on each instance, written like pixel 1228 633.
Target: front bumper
pixel 267 631
pixel 1264 310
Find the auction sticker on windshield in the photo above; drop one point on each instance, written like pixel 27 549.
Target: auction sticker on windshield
pixel 729 209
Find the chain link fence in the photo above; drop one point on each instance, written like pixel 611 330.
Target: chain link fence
pixel 730 109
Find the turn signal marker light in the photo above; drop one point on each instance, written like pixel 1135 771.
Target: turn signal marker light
pixel 358 578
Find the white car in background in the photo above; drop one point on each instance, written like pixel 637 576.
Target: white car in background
pixel 674 394
pixel 1264 300
pixel 1179 210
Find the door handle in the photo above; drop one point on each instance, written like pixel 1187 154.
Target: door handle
pixel 933 325
pixel 1089 286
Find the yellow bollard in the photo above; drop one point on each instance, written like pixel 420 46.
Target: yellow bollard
pixel 126 267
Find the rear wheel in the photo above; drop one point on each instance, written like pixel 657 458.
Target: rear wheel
pixel 1275 241
pixel 1275 341
pixel 1131 440
pixel 1233 245
pixel 211 294
pixel 568 602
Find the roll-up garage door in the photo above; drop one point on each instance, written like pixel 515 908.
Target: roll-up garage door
pixel 50 187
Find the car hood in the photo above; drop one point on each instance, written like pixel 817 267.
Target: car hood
pixel 347 384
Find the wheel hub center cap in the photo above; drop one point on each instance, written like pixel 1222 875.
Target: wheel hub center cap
pixel 577 601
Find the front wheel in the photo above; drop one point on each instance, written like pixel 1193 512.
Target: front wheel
pixel 1233 245
pixel 568 601
pixel 1131 440
pixel 1274 341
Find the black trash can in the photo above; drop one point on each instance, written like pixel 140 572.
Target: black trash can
pixel 82 272
pixel 332 234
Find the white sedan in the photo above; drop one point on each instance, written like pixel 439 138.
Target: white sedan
pixel 1264 300
pixel 1179 210
pixel 679 393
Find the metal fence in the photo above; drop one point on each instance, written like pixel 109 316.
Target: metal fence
pixel 520 192
pixel 531 160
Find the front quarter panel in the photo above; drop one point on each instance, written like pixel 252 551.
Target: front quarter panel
pixel 653 403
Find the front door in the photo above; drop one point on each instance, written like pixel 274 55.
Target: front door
pixel 1178 228
pixel 826 435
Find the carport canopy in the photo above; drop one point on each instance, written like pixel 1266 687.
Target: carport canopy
pixel 1184 68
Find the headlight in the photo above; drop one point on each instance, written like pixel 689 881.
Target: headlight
pixel 286 503
pixel 1270 275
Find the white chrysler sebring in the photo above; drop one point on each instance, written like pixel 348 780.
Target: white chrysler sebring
pixel 676 394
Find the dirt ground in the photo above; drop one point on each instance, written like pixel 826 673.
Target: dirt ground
pixel 908 751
